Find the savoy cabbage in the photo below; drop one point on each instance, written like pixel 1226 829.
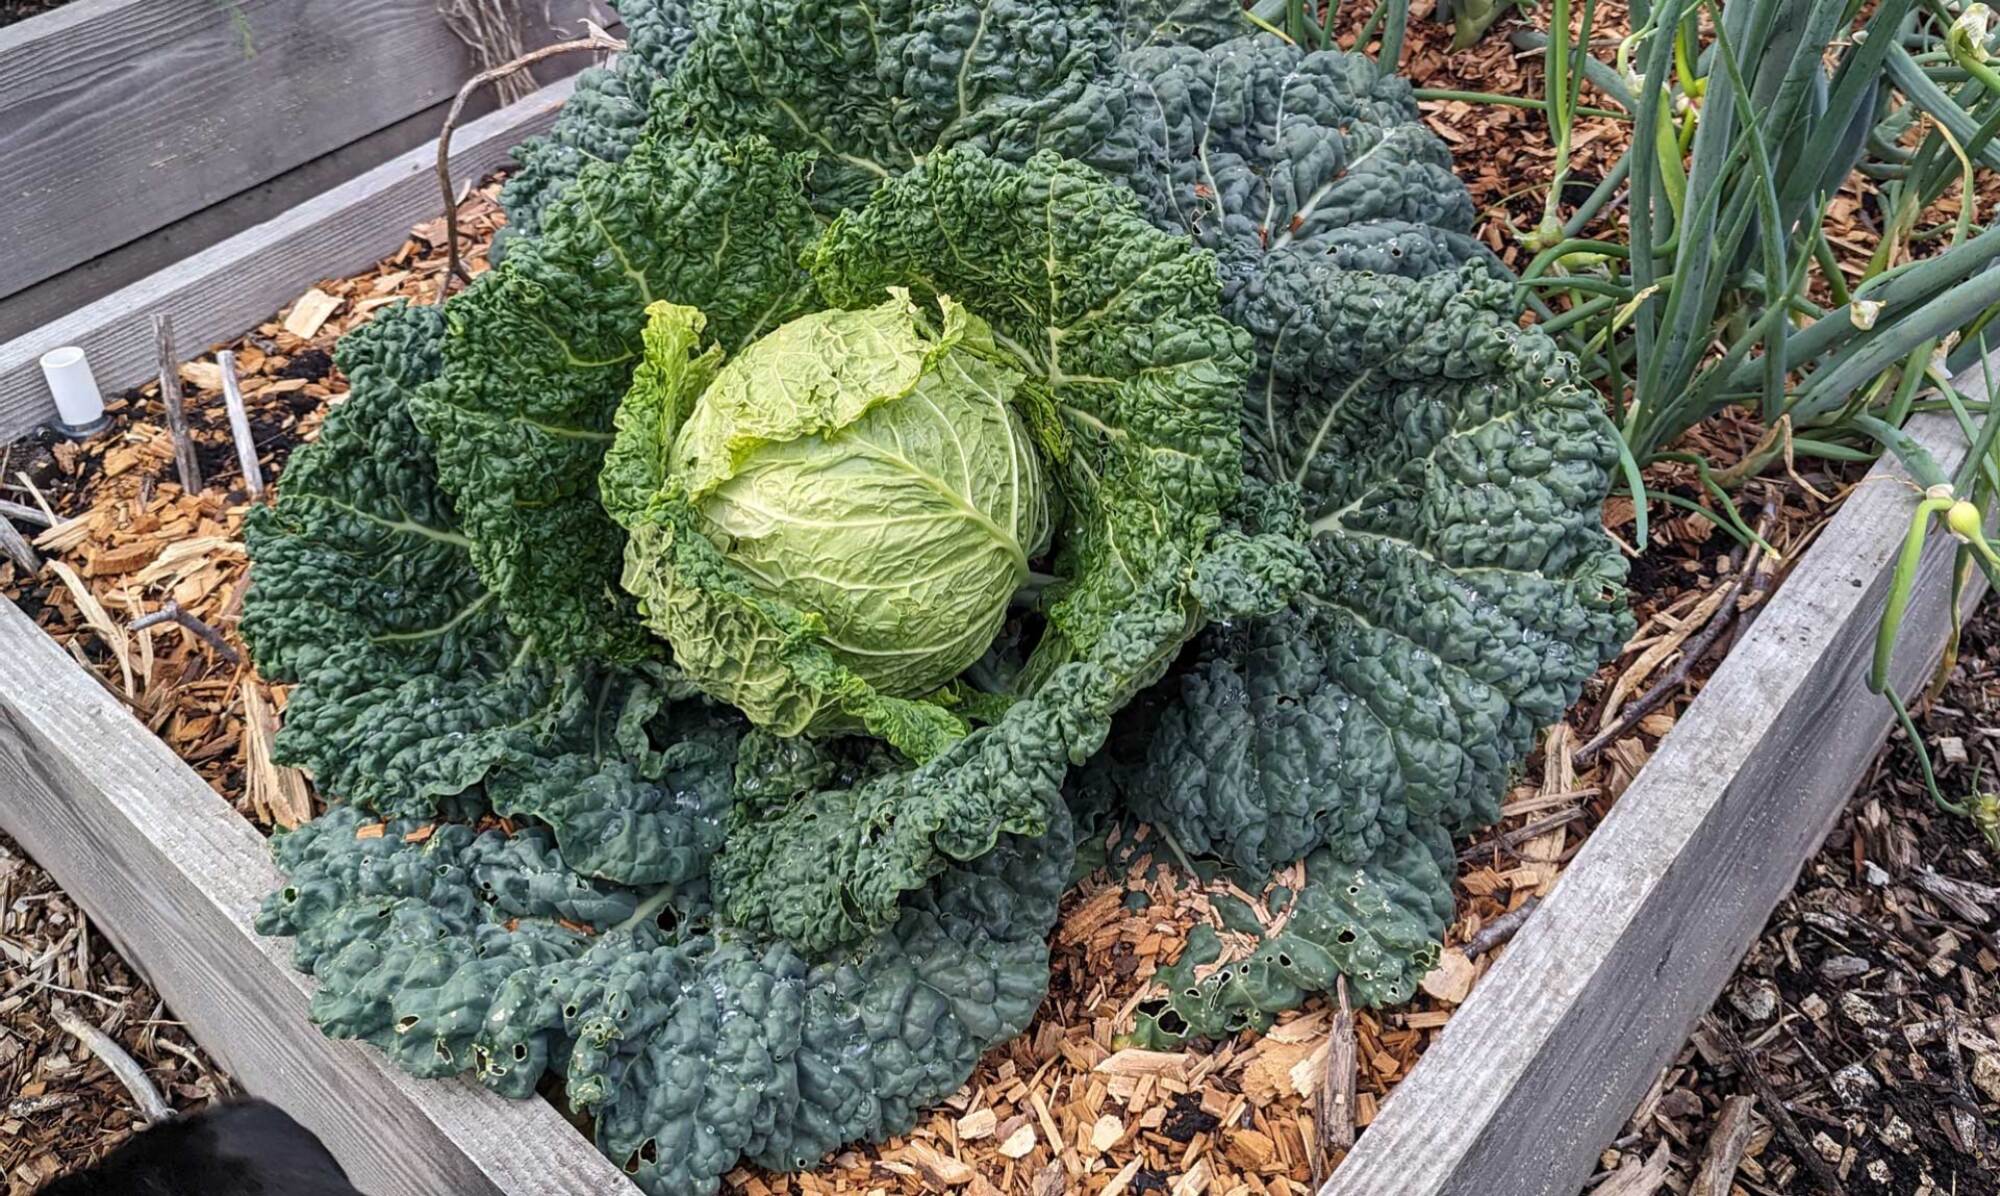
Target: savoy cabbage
pixel 892 434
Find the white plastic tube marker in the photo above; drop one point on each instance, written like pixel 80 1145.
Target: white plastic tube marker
pixel 79 404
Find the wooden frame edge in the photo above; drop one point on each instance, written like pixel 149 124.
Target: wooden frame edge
pixel 173 875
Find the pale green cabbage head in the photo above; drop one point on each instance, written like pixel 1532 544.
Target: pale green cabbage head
pixel 869 469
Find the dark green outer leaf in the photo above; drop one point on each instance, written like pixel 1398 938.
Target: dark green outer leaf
pixel 602 119
pixel 1450 476
pixel 1377 922
pixel 691 1049
pixel 1253 146
pixel 410 692
pixel 540 350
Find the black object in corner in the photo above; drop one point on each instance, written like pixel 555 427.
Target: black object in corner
pixel 252 1148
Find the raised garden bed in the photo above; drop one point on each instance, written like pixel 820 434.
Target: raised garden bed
pixel 1565 1031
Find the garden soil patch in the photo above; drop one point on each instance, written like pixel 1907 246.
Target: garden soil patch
pixel 20 10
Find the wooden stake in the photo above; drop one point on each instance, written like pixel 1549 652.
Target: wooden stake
pixel 239 426
pixel 1333 1111
pixel 170 394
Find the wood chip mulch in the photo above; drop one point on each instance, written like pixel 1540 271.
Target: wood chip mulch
pixel 63 1108
pixel 20 10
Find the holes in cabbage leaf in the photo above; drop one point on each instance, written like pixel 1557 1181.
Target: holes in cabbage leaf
pixel 1284 960
pixel 1345 937
pixel 647 1155
pixel 407 1023
pixel 1164 1016
pixel 520 1052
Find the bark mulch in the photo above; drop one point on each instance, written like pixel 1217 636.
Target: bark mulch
pixel 1857 1048
pixel 63 1108
pixel 20 10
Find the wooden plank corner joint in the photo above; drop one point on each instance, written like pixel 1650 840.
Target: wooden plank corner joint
pixel 173 876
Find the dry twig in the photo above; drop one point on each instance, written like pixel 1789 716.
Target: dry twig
pixel 127 1070
pixel 1509 840
pixel 1496 933
pixel 14 510
pixel 598 40
pixel 185 464
pixel 490 30
pixel 1691 653
pixel 172 612
pixel 1774 1108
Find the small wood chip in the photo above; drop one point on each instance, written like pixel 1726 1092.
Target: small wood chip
pixel 1020 1142
pixel 1451 980
pixel 312 310
pixel 1105 1134
pixel 1123 1179
pixel 1134 1062
pixel 202 375
pixel 1634 1178
pixel 980 1123
pixel 938 1167
pixel 1726 1144
pixel 1194 1181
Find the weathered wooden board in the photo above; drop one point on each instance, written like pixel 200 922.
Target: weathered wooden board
pixel 233 285
pixel 173 875
pixel 86 282
pixel 1561 1039
pixel 118 117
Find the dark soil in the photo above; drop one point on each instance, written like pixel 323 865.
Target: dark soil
pixel 20 10
pixel 1868 1010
